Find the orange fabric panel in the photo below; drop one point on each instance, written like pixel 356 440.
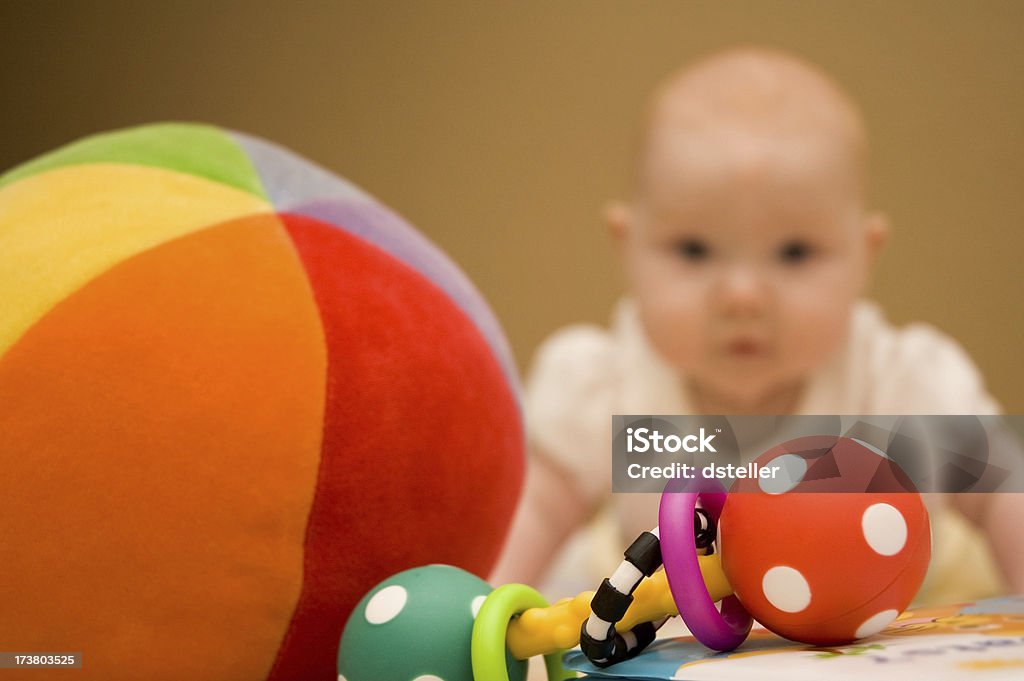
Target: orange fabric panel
pixel 160 433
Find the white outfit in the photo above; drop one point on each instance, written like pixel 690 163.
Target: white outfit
pixel 583 374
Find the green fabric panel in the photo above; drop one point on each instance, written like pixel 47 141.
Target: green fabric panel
pixel 193 148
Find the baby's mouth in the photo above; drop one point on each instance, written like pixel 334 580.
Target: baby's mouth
pixel 746 347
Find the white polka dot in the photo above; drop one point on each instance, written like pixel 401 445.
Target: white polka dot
pixel 876 623
pixel 341 677
pixel 884 529
pixel 475 606
pixel 786 589
pixel 871 447
pixel 790 470
pixel 386 604
pixel 428 677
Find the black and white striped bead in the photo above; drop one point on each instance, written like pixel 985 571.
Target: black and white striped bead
pixel 599 640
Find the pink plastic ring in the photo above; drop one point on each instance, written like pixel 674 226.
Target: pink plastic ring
pixel 718 631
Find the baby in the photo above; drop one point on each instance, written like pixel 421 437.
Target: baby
pixel 746 246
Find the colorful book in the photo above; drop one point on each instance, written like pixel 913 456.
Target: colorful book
pixel 983 640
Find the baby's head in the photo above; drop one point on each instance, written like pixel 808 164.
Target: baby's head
pixel 747 241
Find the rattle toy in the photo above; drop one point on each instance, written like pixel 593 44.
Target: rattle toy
pixel 830 551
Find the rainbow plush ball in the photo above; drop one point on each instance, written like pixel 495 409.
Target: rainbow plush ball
pixel 235 393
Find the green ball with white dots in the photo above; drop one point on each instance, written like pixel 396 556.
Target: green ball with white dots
pixel 416 626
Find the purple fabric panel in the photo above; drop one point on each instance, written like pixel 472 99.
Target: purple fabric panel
pixel 291 180
pixel 373 222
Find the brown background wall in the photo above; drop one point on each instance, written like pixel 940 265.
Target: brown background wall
pixel 500 129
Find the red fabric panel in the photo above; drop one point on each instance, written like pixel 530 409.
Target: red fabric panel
pixel 422 449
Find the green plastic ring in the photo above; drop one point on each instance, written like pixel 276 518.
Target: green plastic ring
pixel 491 627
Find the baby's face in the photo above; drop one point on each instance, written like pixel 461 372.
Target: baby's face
pixel 745 255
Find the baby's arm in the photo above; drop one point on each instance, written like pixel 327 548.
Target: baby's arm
pixel 920 370
pixel 999 515
pixel 550 509
pixel 567 404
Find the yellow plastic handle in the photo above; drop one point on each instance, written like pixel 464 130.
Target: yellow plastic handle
pixel 540 631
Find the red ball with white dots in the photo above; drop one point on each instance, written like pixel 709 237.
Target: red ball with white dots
pixel 832 548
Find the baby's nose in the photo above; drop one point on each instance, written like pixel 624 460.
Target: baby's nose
pixel 743 291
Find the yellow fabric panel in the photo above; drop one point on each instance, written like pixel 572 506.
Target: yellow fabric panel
pixel 62 228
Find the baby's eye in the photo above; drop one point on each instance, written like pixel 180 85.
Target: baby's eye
pixel 693 249
pixel 794 252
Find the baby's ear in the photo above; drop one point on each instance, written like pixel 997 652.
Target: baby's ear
pixel 619 216
pixel 876 234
